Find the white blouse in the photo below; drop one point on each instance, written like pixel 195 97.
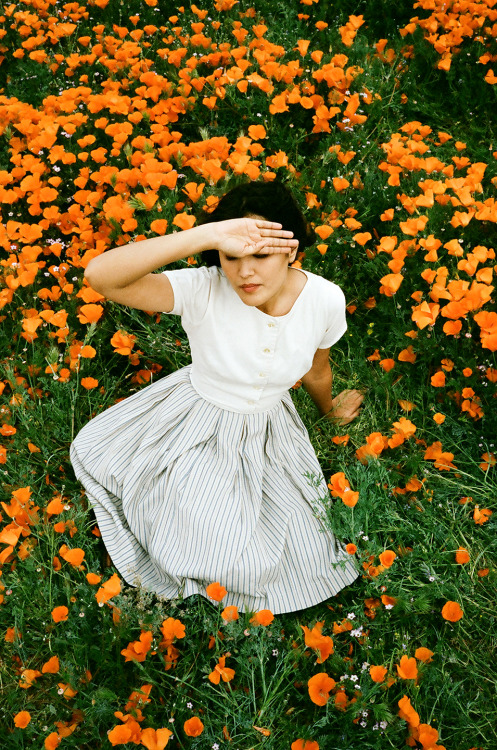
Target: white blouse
pixel 244 360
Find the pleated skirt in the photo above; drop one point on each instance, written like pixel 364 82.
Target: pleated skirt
pixel 186 493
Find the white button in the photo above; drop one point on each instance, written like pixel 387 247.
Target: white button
pixel 257 387
pixel 251 403
pixel 262 374
pixel 266 351
pixel 271 325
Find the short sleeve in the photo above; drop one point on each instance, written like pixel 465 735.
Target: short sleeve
pixel 192 289
pixel 336 321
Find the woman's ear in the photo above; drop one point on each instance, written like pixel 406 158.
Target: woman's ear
pixel 292 256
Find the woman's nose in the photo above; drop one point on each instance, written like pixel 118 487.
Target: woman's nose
pixel 246 267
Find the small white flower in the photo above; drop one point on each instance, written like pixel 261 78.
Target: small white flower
pixel 383 724
pixel 189 705
pixel 351 616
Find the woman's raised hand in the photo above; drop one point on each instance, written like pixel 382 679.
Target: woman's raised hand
pixel 247 236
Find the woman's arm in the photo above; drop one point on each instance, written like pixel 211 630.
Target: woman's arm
pixel 125 274
pixel 343 408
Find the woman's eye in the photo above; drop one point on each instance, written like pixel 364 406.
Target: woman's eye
pixel 230 257
pixel 262 255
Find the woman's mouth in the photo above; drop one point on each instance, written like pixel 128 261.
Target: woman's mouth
pixel 250 287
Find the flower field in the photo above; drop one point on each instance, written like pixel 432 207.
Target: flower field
pixel 121 121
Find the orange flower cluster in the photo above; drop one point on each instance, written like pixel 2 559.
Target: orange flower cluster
pixel 23 514
pixel 405 155
pixel 450 24
pixel 130 730
pixel 425 734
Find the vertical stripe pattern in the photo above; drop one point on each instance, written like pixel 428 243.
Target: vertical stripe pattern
pixel 186 493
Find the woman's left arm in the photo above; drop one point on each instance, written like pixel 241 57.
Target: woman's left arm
pixel 318 381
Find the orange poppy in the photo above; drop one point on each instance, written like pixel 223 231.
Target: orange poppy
pixel 319 687
pixel 315 640
pixel 407 669
pixel 407 712
pixel 230 613
pixel 22 719
pixel 109 589
pixel 452 611
pixel 220 671
pixel 377 673
pixel 138 650
pixel 123 342
pixel 193 727
pixel 387 557
pixel 60 614
pixel 90 313
pixel 263 617
pixel 462 556
pixel 171 629
pixel 155 739
pixel 51 666
pixel 28 677
pixel 89 383
pixel 423 654
pixel 216 591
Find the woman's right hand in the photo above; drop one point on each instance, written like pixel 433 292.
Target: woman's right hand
pixel 252 236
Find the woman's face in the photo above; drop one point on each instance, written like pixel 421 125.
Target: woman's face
pixel 259 280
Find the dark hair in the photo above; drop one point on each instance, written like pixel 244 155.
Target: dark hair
pixel 273 200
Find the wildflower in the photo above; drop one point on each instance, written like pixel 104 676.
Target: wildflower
pixel 377 673
pixel 22 719
pixel 59 614
pixel 407 669
pixel 387 557
pixel 230 613
pixel 28 677
pixel 193 727
pixel 263 617
pixel 89 383
pixel 221 672
pixel 108 589
pixel 138 650
pixel 315 640
pixel 216 591
pixel 319 687
pixel 155 739
pixel 51 666
pixel 462 556
pixel 423 654
pixel 452 611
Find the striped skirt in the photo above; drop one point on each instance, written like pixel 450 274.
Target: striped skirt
pixel 186 493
